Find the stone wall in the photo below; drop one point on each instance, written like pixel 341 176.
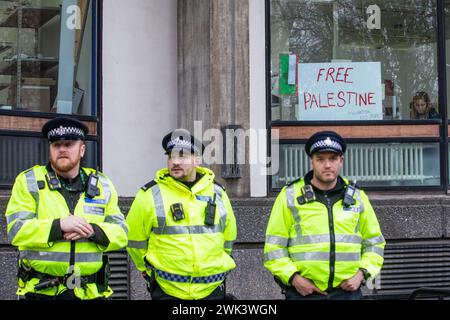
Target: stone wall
pixel 407 217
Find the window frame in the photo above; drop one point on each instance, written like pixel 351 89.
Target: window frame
pixel 97 101
pixel 443 138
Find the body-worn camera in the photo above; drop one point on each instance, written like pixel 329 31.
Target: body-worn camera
pixel 177 211
pixel 91 188
pixel 308 195
pixel 349 193
pixel 53 181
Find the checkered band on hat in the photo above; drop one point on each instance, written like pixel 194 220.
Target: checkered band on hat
pixel 327 144
pixel 177 142
pixel 65 131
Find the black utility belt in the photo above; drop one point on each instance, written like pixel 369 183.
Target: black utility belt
pixel 48 281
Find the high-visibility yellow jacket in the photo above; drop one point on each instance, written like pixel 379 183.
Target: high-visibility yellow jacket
pixel 188 258
pixel 324 243
pixel 30 213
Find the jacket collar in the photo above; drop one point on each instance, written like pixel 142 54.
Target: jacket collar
pixel 163 177
pixel 340 184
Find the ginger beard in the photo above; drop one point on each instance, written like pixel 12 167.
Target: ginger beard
pixel 65 155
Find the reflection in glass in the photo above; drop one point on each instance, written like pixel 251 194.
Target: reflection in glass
pixel 392 164
pixel 336 31
pixel 30 32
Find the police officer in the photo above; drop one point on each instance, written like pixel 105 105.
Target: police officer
pixel 323 239
pixel 182 226
pixel 62 218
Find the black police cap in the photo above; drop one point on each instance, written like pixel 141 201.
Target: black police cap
pixel 64 128
pixel 324 141
pixel 181 139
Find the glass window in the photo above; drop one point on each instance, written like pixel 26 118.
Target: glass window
pixel 353 60
pixel 39 72
pixel 387 164
pixel 20 153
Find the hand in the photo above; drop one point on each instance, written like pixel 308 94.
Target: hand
pixel 73 236
pixel 78 225
pixel 353 283
pixel 304 286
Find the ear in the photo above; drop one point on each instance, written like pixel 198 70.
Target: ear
pixel 197 160
pixel 82 149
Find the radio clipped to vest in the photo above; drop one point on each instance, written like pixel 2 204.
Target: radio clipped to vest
pixel 210 212
pixel 349 193
pixel 308 195
pixel 91 187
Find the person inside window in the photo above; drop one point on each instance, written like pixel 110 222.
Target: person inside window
pixel 421 107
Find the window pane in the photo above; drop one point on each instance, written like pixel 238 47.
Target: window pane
pixel 38 72
pixel 375 57
pixel 392 164
pixel 20 153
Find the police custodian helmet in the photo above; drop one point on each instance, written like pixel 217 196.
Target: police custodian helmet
pixel 64 128
pixel 325 141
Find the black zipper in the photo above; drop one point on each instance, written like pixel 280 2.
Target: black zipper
pixel 332 243
pixel 72 199
pixel 72 243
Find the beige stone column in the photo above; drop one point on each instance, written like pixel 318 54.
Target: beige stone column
pixel 213 71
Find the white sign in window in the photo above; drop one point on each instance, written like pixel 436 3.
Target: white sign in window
pixel 339 91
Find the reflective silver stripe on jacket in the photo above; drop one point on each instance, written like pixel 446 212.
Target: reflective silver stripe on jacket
pixel 94 210
pixel 221 206
pixel 361 208
pixel 325 256
pixel 138 244
pixel 187 229
pixel 290 200
pixel 24 215
pixel 159 206
pixel 320 238
pixel 33 187
pixel 369 245
pixel 373 241
pixel 377 250
pixel 16 228
pixel 117 219
pixel 276 254
pixel 360 200
pixel 60 256
pixel 106 188
pixel 276 240
pixel 228 245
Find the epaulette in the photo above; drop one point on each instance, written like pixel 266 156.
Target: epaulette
pixel 149 185
pixel 292 182
pixel 217 183
pixel 351 182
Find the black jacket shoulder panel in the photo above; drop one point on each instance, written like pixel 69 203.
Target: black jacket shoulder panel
pixel 218 184
pixel 149 185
